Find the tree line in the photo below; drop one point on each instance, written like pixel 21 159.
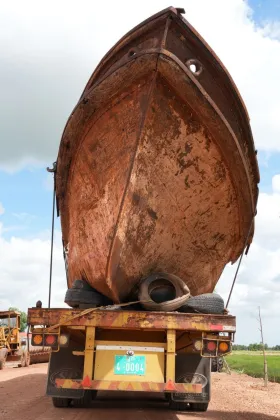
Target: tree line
pixel 254 347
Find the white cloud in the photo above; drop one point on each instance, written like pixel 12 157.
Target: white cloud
pixel 2 210
pixel 24 267
pixel 47 56
pixel 272 29
pixel 258 281
pixel 276 183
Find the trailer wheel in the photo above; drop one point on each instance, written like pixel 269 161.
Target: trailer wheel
pixel 86 400
pixel 61 402
pixel 214 365
pixel 199 406
pixel 178 406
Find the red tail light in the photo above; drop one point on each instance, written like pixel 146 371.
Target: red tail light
pixel 211 346
pixel 50 340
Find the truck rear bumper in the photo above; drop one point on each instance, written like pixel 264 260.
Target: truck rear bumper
pixel 128 386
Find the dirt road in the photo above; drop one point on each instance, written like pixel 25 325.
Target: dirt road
pixel 235 397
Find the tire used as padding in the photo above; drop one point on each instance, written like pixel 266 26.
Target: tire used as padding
pixel 207 303
pixel 83 294
pixel 152 282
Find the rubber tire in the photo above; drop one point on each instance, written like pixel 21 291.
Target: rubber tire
pixel 214 365
pixel 199 406
pixel 207 303
pixel 61 402
pixel 146 288
pixel 86 400
pixel 179 406
pixel 75 297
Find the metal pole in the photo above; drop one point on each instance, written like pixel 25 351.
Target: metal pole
pixel 240 260
pixel 263 349
pixel 51 259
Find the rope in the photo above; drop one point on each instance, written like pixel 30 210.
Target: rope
pixel 240 260
pixel 88 311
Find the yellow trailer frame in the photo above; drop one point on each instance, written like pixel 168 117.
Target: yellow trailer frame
pixel 130 329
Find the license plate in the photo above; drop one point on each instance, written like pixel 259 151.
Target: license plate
pixel 130 365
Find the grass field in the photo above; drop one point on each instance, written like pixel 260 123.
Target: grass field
pixel 251 363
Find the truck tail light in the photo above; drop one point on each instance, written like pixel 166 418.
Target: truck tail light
pixel 50 340
pixel 224 347
pixel 63 340
pixel 37 340
pixel 211 346
pixel 197 345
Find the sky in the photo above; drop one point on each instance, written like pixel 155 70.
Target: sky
pixel 48 51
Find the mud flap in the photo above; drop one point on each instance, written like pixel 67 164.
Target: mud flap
pixel 192 368
pixel 64 365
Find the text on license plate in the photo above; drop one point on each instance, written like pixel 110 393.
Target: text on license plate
pixel 130 365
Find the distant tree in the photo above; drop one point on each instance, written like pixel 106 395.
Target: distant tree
pixel 239 347
pixel 23 318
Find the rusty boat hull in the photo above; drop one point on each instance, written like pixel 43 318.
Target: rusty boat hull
pixel 157 167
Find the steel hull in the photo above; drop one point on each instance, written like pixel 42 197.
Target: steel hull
pixel 156 169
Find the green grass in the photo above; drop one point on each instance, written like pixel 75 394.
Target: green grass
pixel 252 364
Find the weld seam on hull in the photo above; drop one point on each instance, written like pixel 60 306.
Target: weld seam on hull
pixel 151 90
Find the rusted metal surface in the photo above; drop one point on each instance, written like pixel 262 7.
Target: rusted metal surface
pixel 156 169
pixel 87 383
pixel 132 320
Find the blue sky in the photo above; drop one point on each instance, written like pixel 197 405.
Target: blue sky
pixel 47 58
pixel 265 10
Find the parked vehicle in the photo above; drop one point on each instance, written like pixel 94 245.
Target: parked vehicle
pixel 11 345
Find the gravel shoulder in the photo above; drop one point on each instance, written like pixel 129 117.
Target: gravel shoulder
pixel 234 397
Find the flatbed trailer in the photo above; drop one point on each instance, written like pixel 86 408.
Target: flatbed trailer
pixel 123 350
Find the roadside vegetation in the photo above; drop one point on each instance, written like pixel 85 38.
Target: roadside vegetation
pixel 252 363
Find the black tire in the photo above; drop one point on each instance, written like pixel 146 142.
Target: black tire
pixel 208 303
pixel 220 364
pixel 214 365
pixel 179 406
pixel 156 281
pixel 80 296
pixel 199 406
pixel 86 400
pixel 61 402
